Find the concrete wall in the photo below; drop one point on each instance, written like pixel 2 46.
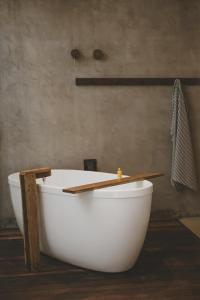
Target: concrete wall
pixel 45 120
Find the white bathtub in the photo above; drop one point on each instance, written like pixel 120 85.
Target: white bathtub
pixel 103 230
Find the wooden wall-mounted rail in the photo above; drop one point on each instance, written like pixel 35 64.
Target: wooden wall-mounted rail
pixel 108 183
pixel 129 81
pixel 30 215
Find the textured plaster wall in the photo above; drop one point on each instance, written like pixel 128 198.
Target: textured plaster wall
pixel 45 120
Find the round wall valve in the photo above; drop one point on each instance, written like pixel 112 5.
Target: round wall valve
pixel 98 54
pixel 75 53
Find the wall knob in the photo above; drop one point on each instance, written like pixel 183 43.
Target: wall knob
pixel 98 54
pixel 75 53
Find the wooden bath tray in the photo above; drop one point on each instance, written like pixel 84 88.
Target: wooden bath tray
pixel 108 183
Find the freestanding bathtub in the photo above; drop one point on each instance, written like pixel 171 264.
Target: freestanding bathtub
pixel 102 230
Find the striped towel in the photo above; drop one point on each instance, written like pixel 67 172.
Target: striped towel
pixel 183 169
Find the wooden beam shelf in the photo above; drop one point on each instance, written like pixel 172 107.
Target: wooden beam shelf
pixel 131 81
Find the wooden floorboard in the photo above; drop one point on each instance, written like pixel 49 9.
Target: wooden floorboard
pixel 168 268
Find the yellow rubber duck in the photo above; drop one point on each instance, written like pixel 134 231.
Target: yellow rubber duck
pixel 119 173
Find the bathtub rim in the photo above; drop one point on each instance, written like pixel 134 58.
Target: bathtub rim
pixel 127 192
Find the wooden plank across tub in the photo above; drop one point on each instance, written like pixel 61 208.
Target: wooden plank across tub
pixel 109 183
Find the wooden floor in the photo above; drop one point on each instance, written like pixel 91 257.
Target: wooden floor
pixel 168 268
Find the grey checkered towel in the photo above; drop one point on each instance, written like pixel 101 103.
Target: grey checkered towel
pixel 183 169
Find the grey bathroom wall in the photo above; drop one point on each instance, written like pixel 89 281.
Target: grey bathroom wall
pixel 45 120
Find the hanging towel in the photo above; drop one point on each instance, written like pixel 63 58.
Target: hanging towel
pixel 183 169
